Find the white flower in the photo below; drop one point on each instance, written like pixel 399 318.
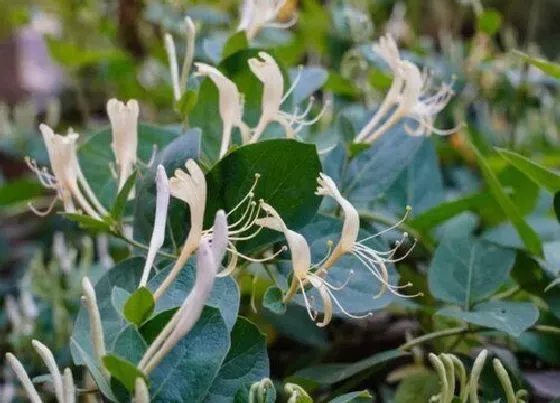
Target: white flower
pixel 141 394
pixel 124 125
pixel 48 359
pixel 230 105
pixel 374 260
pixel 267 71
pixel 158 233
pixel 67 178
pixel 410 96
pixel 304 271
pixel 208 259
pixel 257 14
pixel 95 326
pixel 23 378
pixel 179 83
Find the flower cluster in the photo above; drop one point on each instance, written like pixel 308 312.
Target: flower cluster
pixel 411 95
pixel 306 273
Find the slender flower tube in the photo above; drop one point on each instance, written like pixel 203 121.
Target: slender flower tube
pixel 375 261
pixel 67 178
pixel 48 359
pixel 68 385
pixel 141 394
pixel 23 378
pixel 96 330
pixel 410 96
pixel 208 258
pixel 189 187
pixel 475 375
pixel 257 14
pixel 267 71
pixel 230 105
pixel 179 82
pixel 158 233
pixel 124 126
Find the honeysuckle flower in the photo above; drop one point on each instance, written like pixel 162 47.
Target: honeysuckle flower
pixel 95 327
pixel 257 14
pixel 375 261
pixel 230 105
pixel 48 359
pixel 67 178
pixel 190 187
pixel 179 83
pixel 267 71
pixel 28 386
pixel 304 271
pixel 68 386
pixel 141 394
pixel 208 259
pixel 158 233
pixel 124 126
pixel 410 96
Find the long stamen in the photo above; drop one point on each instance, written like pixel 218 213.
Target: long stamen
pixel 249 195
pixel 294 83
pixel 233 250
pixel 394 226
pixel 344 311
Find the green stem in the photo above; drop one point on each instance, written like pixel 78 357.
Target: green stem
pixel 142 246
pixel 435 335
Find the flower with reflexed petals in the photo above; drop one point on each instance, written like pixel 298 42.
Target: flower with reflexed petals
pixel 257 14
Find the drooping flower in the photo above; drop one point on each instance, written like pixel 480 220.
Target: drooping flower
pixel 124 126
pixel 305 272
pixel 230 105
pixel 208 259
pixel 411 95
pixel 374 260
pixel 179 80
pixel 267 71
pixel 257 14
pixel 67 178
pixel 158 233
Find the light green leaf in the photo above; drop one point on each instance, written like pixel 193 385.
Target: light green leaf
pixel 123 370
pixel 245 363
pixel 418 387
pixel 547 67
pixel 460 273
pixel 139 306
pixel 489 21
pixel 273 301
pixel 362 396
pixel 120 203
pixel 510 317
pixel 236 43
pixel 20 190
pixel 529 237
pixel 537 173
pixel 327 374
pixel 186 103
pixel 87 222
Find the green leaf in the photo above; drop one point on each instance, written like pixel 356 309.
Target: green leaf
pixel 362 396
pixel 273 300
pixel 506 235
pixel 489 21
pixel 357 296
pixel 151 328
pixel 547 67
pixel 557 205
pixel 120 203
pixel 139 306
pixel 311 80
pixel 206 115
pixel 187 372
pixel 123 370
pixel 172 157
pixel 288 176
pixel 371 173
pixel 529 237
pixel 460 274
pixel 327 374
pixel 186 103
pixel 418 387
pixel 246 362
pixel 20 190
pixel 74 56
pixel 96 157
pixel 295 325
pixel 510 317
pixel 537 173
pixel 236 43
pixel 543 345
pixel 87 222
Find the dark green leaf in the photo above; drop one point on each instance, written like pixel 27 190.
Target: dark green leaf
pixel 288 176
pixel 557 205
pixel 120 203
pixel 489 21
pixel 460 274
pixel 529 237
pixel 273 301
pixel 326 374
pixel 152 327
pixel 139 306
pixel 19 191
pixel 237 42
pixel 537 173
pixel 123 370
pixel 543 345
pixel 246 362
pixel 510 317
